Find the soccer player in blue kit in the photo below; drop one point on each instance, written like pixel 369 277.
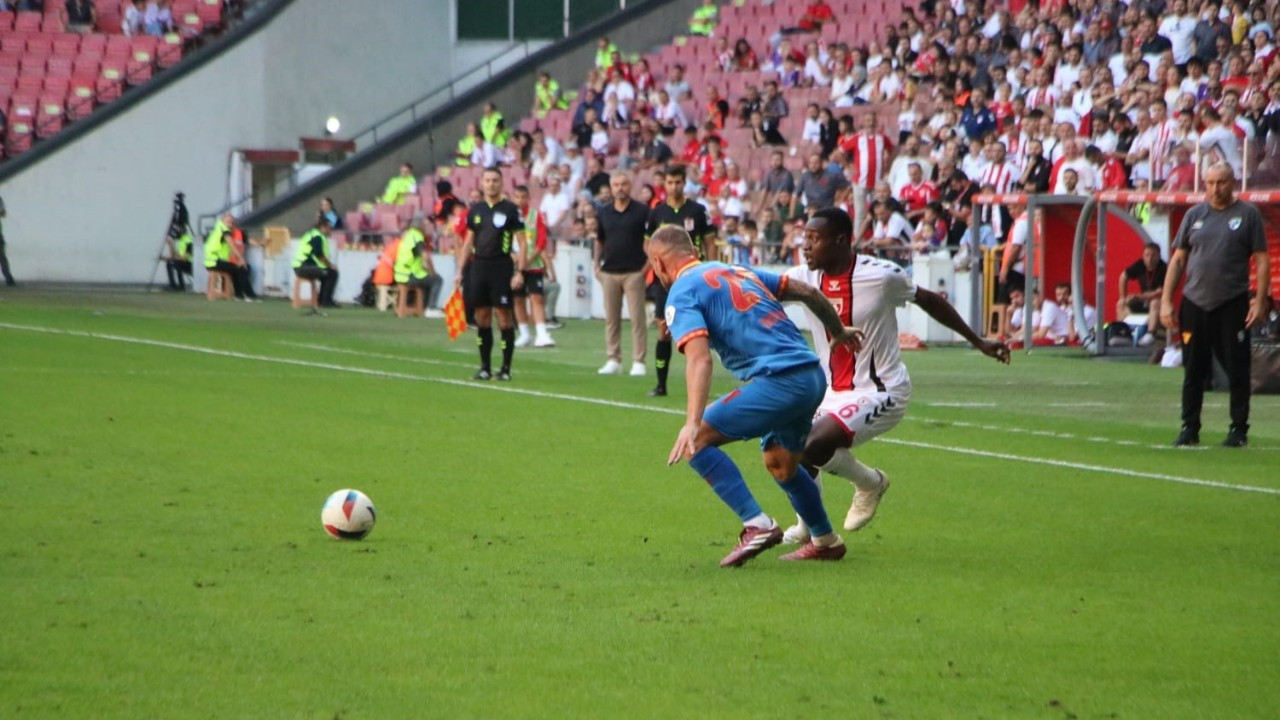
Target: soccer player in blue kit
pixel 737 312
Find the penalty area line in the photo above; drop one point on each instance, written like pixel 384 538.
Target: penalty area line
pixel 356 370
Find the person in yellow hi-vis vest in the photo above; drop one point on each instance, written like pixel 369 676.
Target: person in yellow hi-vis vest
pixel 492 127
pixel 413 265
pixel 604 53
pixel 400 187
pixel 704 18
pixel 218 256
pixel 315 259
pixel 547 97
pixel 469 147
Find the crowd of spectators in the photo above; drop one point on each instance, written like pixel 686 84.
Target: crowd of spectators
pixel 1063 97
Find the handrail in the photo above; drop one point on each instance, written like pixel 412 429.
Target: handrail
pixel 413 108
pixel 358 161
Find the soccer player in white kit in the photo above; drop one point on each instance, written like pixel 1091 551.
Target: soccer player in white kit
pixel 868 391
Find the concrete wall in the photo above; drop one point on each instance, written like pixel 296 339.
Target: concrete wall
pixel 96 210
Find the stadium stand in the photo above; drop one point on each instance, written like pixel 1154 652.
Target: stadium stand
pixel 1067 73
pixel 50 76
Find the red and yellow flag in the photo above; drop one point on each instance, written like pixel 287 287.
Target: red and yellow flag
pixel 455 316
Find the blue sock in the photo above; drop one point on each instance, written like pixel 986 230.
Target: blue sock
pixel 725 479
pixel 806 498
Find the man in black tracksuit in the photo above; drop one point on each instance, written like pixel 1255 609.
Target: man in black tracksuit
pixel 1215 243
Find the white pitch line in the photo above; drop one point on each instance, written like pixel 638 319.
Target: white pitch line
pixel 380 356
pixel 624 405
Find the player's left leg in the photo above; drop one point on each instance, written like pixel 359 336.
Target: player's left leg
pixel 520 300
pixel 533 284
pixel 759 531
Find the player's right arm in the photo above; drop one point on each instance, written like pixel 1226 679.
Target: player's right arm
pixel 1172 277
pixel 942 311
pixel 796 291
pixel 464 257
pixel 697 378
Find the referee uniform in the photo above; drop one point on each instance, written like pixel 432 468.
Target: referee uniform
pixel 691 216
pixel 1217 245
pixel 493 229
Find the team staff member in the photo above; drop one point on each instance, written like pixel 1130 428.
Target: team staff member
pixel 493 250
pixel 692 217
pixel 620 266
pixel 1214 245
pixel 413 266
pixel 314 260
pixel 221 255
pixel 529 297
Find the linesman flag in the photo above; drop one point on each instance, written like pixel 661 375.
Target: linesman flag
pixel 455 316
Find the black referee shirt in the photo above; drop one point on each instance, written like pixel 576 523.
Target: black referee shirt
pixel 691 216
pixel 622 237
pixel 493 228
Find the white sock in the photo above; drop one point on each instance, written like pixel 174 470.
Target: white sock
pixel 761 521
pixel 829 540
pixel 844 464
pixel 541 329
pixel 524 331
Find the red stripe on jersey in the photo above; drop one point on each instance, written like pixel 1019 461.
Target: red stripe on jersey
pixel 694 334
pixel 839 292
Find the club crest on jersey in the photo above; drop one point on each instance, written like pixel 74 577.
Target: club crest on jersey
pixel 499 219
pixel 688 224
pixel 670 314
pixel 1234 223
pixel 833 285
pixel 1197 225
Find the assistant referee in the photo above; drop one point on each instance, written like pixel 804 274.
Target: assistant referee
pixel 1214 244
pixel 494 251
pixel 692 217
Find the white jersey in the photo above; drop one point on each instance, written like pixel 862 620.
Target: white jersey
pixel 867 299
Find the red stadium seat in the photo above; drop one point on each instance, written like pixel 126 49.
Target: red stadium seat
pixel 66 45
pixel 6 21
pixel 52 23
pixel 23 107
pixel 8 74
pixel 19 138
pixel 80 97
pixel 170 52
pixel 31 79
pixel 59 67
pixel 93 43
pixel 111 81
pixel 50 118
pixel 28 21
pixel 41 45
pixel 141 61
pixel 191 24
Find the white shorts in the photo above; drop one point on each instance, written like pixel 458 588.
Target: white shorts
pixel 864 415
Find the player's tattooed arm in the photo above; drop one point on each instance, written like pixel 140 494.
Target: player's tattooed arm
pixel 810 297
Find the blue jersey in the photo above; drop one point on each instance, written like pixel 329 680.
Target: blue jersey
pixel 737 309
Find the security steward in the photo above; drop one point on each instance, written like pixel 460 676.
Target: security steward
pixel 493 250
pixel 692 216
pixel 1215 243
pixel 413 266
pixel 221 256
pixel 315 260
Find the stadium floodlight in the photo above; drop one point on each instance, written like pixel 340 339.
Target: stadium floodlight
pixel 332 125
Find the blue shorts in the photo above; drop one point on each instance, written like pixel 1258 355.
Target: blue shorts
pixel 775 408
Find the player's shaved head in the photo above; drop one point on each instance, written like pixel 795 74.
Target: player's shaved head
pixel 669 249
pixel 672 239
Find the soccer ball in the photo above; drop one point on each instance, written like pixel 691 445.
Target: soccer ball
pixel 348 515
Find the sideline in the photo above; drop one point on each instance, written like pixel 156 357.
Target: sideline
pixel 618 404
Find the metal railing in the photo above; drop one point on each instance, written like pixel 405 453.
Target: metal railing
pixel 411 113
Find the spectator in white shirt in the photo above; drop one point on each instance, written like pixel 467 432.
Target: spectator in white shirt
pixel 891 234
pixel 1068 72
pixel 1178 27
pixel 555 203
pixel 133 19
pixel 812 131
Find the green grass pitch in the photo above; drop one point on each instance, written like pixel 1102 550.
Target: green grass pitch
pixel 163 461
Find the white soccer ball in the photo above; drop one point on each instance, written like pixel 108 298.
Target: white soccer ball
pixel 348 515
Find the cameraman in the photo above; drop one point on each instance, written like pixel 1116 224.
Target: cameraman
pixel 178 245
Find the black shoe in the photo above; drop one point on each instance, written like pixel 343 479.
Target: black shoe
pixel 660 391
pixel 482 374
pixel 504 375
pixel 1187 438
pixel 1237 437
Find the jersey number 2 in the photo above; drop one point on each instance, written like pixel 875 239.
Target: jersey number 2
pixel 743 300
